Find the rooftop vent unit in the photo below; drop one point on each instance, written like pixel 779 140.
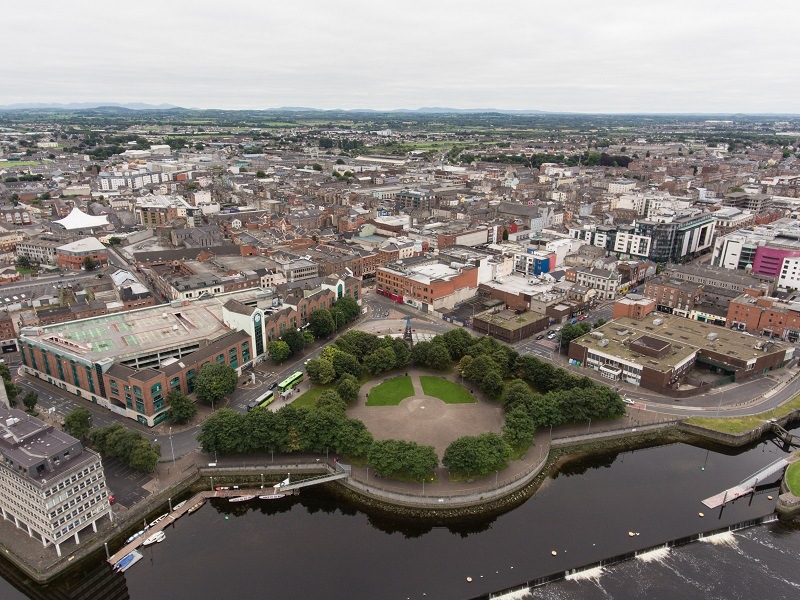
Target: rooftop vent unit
pixel 603 343
pixel 658 322
pixel 712 336
pixel 597 334
pixel 12 421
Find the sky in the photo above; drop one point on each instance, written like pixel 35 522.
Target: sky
pixel 612 56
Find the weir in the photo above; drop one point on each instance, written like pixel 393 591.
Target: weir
pixel 591 570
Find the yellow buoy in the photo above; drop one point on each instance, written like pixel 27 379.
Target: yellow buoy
pixel 700 515
pixel 469 579
pixel 769 497
pixel 554 553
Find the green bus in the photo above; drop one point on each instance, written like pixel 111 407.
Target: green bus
pixel 263 401
pixel 290 381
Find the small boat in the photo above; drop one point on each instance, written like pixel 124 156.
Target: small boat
pixel 242 498
pixel 134 536
pixel 158 536
pixel 195 507
pixel 159 519
pixel 178 505
pixel 272 496
pixel 127 561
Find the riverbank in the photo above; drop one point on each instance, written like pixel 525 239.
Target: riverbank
pixel 375 498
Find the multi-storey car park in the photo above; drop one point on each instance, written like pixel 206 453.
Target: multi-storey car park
pixel 129 361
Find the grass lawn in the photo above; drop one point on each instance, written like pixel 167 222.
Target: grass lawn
pixel 447 391
pixel 391 391
pixel 309 398
pixel 793 478
pixel 18 163
pixel 741 424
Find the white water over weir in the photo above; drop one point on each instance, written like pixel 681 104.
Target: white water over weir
pixel 655 555
pixel 721 539
pixel 593 573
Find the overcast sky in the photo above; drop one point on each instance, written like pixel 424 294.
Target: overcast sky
pixel 579 55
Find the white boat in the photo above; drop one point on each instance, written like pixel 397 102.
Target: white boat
pixel 242 498
pixel 127 561
pixel 158 536
pixel 158 520
pixel 196 506
pixel 272 496
pixel 178 505
pixel 134 536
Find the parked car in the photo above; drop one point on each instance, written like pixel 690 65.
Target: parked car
pixel 540 336
pixel 272 385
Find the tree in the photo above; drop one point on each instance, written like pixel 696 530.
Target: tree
pixel 294 339
pixel 419 353
pixel 349 307
pixel 458 342
pixel 571 331
pixel 439 358
pixel 78 423
pixel 331 400
pixel 223 432
pixel 143 457
pixel 278 351
pixel 320 370
pixel 353 438
pixel 402 355
pixel 308 337
pixel 181 409
pixel 260 174
pixel 321 323
pixel 29 400
pixel 505 235
pixel 519 428
pixel 347 387
pixel 383 359
pixel 492 384
pixel 391 458
pixel 114 241
pixel 213 381
pixel 516 392
pixel 344 362
pixel 89 264
pixel 477 455
pixel 24 262
pixel 316 167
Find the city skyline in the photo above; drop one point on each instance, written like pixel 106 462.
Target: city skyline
pixel 684 58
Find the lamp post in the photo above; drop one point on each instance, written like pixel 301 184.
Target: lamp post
pixel 171 445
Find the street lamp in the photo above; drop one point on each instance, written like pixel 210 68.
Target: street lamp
pixel 171 446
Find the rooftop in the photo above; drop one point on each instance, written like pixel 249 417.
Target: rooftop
pixel 88 244
pixel 684 338
pixel 128 334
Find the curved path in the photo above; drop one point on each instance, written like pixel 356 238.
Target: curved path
pixel 425 419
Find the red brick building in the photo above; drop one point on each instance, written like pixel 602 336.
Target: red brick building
pixel 72 256
pixel 764 316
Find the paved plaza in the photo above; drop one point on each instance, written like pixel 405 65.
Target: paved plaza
pixel 425 419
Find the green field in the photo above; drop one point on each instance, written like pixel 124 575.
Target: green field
pixel 793 478
pixel 391 392
pixel 447 391
pixel 736 425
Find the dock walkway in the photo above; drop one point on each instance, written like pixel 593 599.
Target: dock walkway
pixel 748 485
pixel 177 514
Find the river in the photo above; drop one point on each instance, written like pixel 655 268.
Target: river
pixel 315 546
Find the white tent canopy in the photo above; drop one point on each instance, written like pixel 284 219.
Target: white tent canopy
pixel 78 219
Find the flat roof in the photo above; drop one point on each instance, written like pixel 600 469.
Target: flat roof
pixel 129 334
pixel 508 319
pixel 685 337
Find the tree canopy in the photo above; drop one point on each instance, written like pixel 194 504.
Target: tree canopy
pixel 213 381
pixel 477 455
pixel 181 408
pixel 78 423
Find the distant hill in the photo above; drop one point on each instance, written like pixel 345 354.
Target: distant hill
pixel 87 105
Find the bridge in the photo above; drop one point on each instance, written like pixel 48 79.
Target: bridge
pixel 748 485
pixel 785 436
pixel 341 472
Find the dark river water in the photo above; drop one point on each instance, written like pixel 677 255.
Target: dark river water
pixel 314 546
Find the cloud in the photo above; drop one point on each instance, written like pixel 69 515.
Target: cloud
pixel 614 56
